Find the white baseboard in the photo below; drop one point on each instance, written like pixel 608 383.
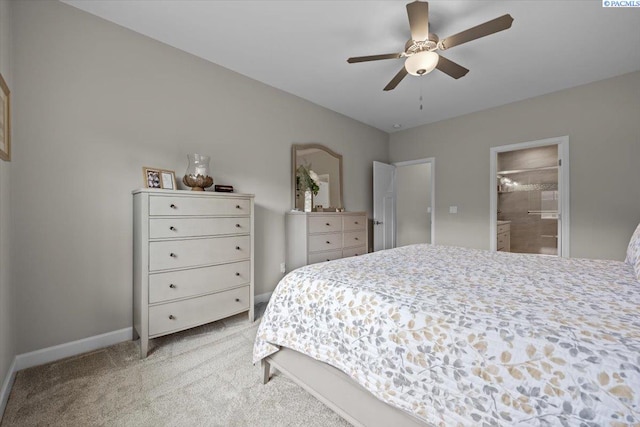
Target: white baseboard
pixel 57 352
pixel 262 298
pixel 73 348
pixel 6 387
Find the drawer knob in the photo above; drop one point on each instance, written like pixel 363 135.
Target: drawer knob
pixel 355 222
pixel 172 286
pixel 172 228
pixel 237 248
pixel 172 255
pixel 328 259
pixel 172 206
pixel 356 238
pixel 237 225
pixel 356 255
pixel 237 299
pixel 328 242
pixel 172 317
pixel 237 274
pixel 238 207
pixel 328 225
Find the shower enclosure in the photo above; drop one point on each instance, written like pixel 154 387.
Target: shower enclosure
pixel 527 200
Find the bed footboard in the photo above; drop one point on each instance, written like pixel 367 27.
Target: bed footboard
pixel 336 390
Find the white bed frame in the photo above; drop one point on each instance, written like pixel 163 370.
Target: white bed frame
pixel 336 390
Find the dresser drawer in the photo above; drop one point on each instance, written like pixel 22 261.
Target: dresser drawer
pixel 174 316
pixel 188 283
pixel 324 256
pixel 354 222
pixel 504 241
pixel 354 251
pixel 325 242
pixel 354 238
pixel 189 253
pixel 160 228
pixel 325 224
pixel 504 228
pixel 184 206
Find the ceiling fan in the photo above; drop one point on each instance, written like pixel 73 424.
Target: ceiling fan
pixel 419 51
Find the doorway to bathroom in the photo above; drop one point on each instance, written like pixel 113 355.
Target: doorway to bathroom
pixel 530 197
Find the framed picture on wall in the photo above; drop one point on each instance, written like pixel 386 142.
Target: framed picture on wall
pixel 159 178
pixel 5 121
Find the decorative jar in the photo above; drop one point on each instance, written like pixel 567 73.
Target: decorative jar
pixel 197 175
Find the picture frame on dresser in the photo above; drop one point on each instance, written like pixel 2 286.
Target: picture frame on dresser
pixel 168 179
pixel 159 178
pixel 5 121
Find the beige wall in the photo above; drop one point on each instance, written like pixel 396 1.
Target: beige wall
pixel 601 120
pixel 96 102
pixel 7 325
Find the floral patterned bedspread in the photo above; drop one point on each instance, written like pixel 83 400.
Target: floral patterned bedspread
pixel 467 337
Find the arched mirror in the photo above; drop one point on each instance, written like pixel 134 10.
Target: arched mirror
pixel 325 167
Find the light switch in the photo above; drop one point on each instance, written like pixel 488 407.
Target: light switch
pixel 453 209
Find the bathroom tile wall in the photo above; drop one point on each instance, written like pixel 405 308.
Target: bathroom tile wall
pixel 530 232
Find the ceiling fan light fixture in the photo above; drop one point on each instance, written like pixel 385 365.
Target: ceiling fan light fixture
pixel 421 63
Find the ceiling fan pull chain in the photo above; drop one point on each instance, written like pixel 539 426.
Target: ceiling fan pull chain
pixel 420 98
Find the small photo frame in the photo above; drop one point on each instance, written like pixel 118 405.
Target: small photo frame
pixel 168 179
pixel 5 119
pixel 159 178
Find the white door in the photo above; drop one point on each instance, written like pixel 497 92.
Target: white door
pixel 322 198
pixel 383 206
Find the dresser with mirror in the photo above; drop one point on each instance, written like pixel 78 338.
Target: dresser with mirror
pixel 317 228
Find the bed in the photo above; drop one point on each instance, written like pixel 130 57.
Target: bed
pixel 437 335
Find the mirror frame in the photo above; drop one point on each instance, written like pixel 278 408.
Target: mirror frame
pixel 294 157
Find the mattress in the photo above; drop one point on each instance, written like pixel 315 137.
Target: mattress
pixel 460 336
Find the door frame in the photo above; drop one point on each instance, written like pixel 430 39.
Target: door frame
pixel 432 162
pixel 388 223
pixel 563 187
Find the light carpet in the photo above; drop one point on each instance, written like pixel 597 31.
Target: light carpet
pixel 199 377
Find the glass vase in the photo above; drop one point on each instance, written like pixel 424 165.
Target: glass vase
pixel 308 201
pixel 197 175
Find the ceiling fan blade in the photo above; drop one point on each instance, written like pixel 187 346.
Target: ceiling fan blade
pixel 373 57
pixel 451 68
pixel 394 81
pixel 418 13
pixel 489 27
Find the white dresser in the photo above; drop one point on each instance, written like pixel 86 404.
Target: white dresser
pixel 324 236
pixel 192 260
pixel 504 236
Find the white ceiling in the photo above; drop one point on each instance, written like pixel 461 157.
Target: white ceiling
pixel 301 47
